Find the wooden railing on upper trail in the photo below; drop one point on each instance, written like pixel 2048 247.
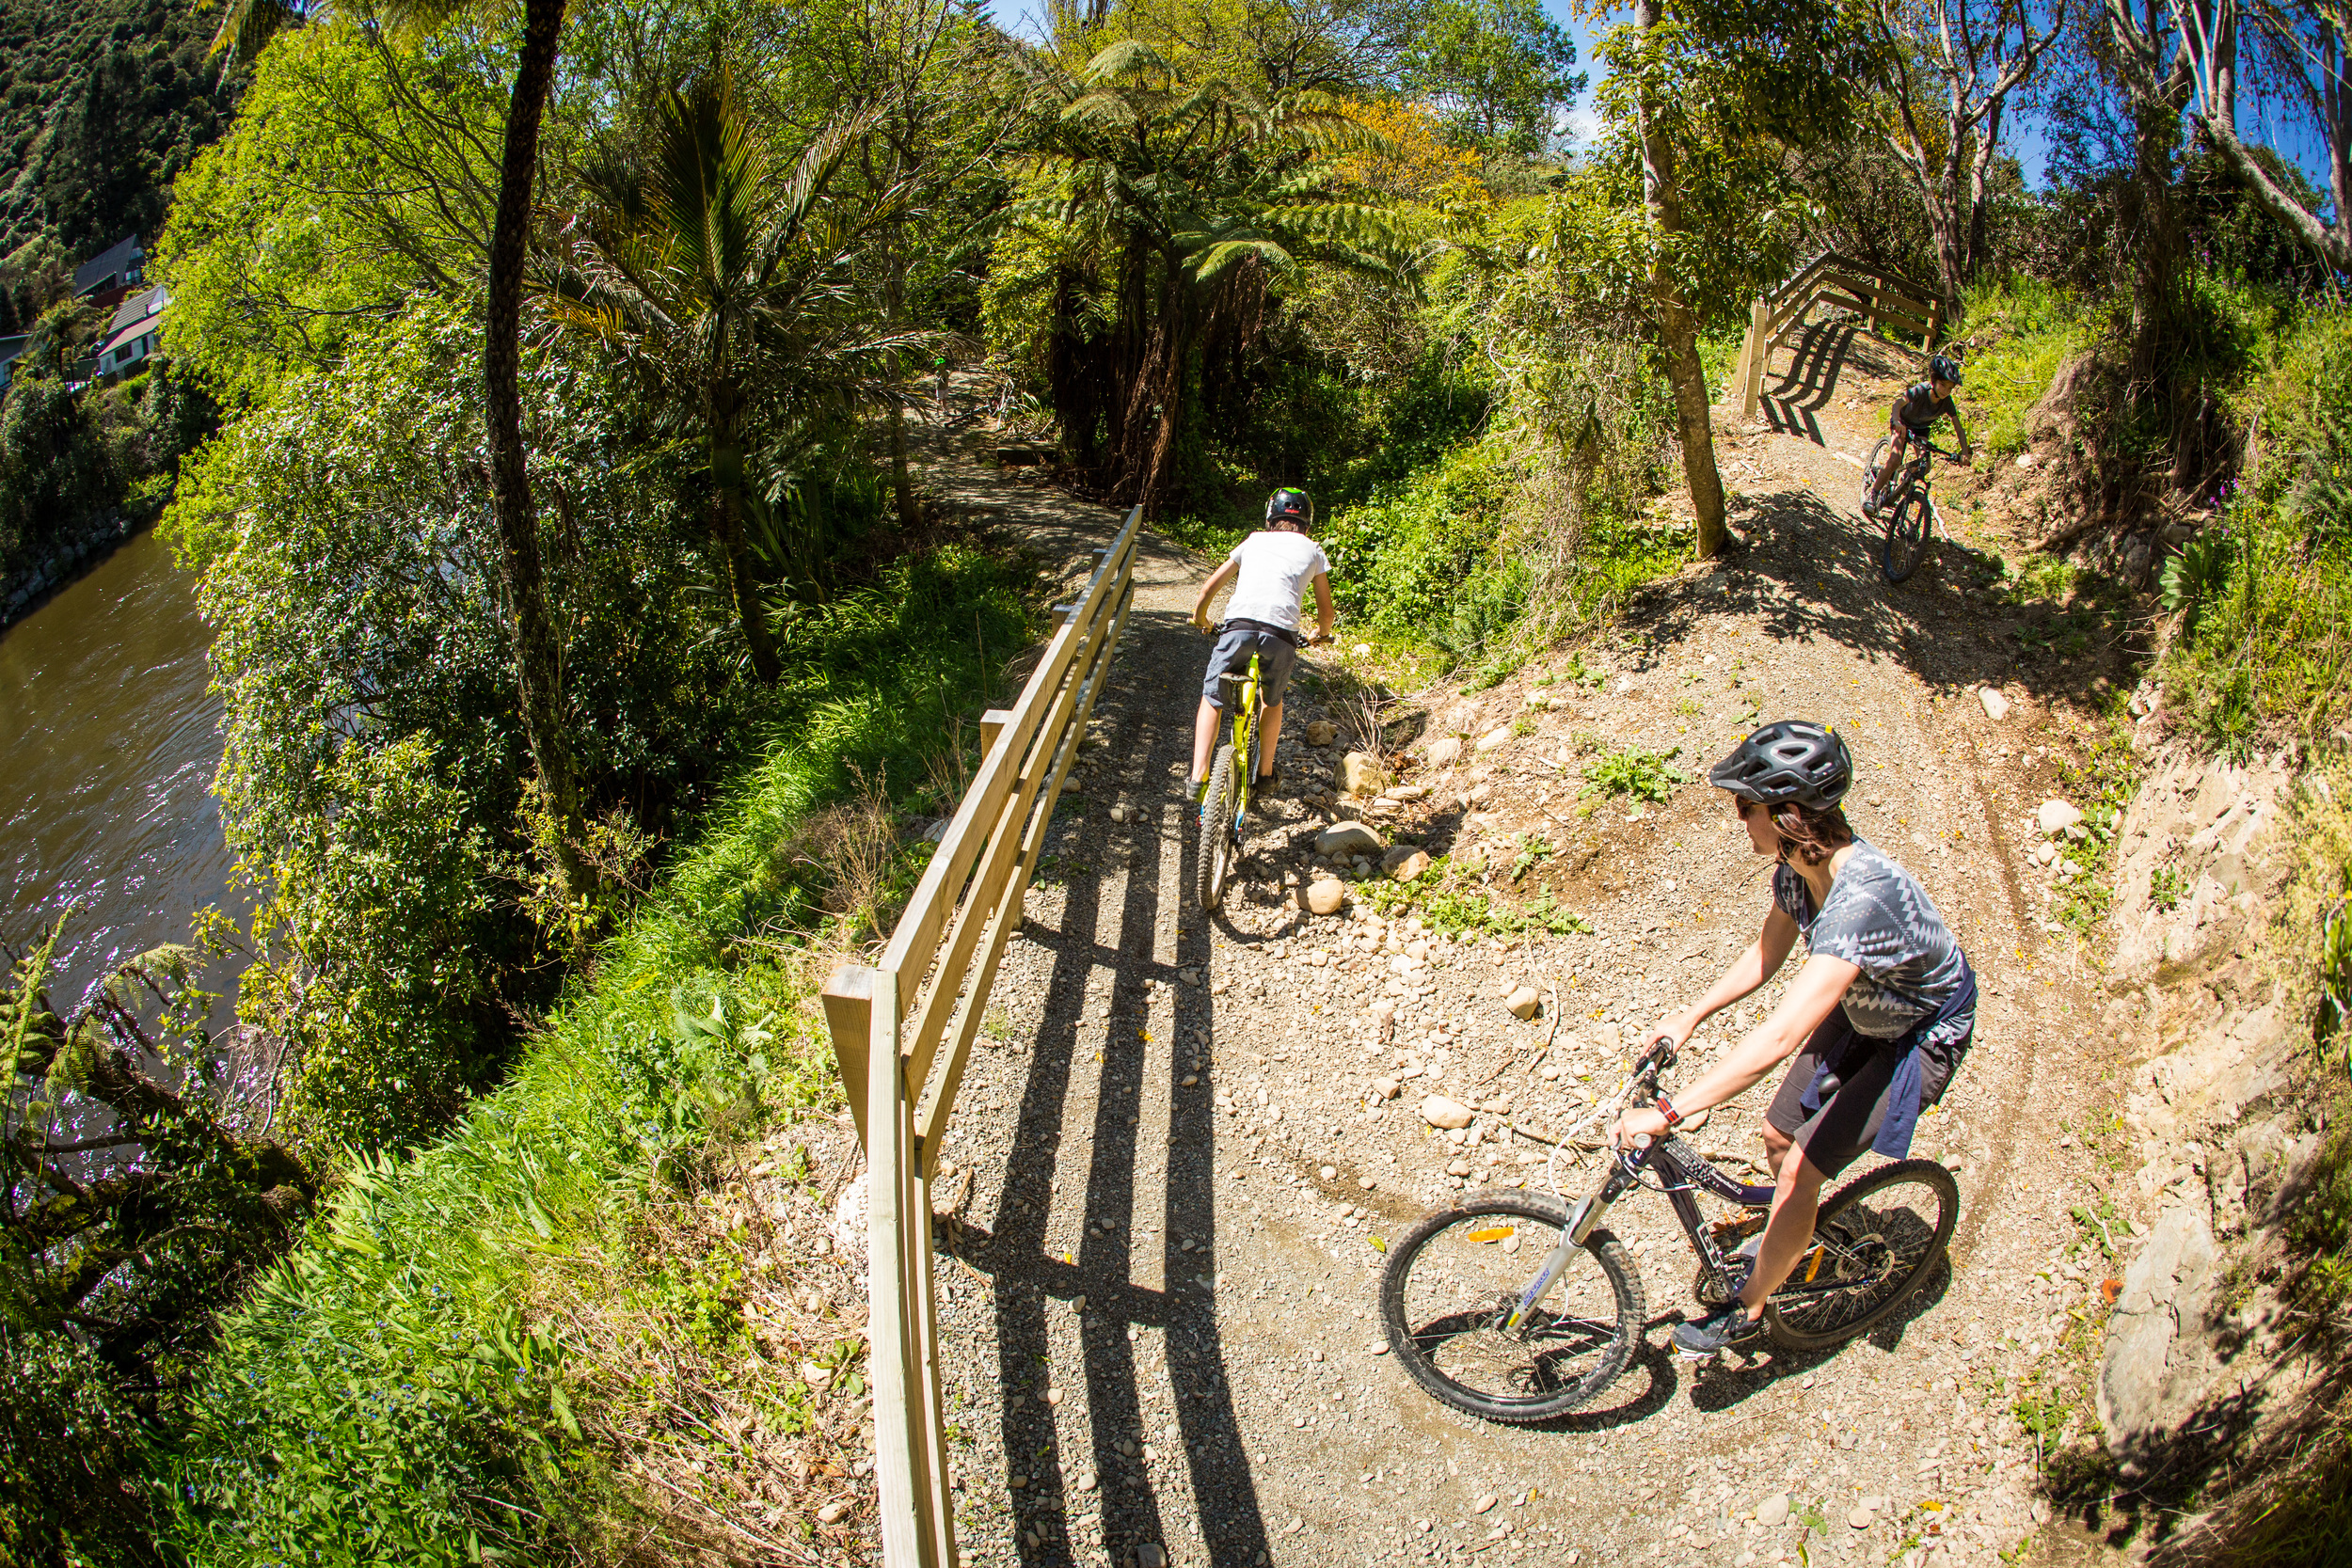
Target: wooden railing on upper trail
pixel 903 1028
pixel 1879 297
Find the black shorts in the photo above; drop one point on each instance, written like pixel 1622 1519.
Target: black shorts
pixel 1854 1103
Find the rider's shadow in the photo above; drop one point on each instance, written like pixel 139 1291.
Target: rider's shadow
pixel 1725 1387
pixel 1655 1393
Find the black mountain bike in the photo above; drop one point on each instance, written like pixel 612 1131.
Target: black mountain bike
pixel 1908 506
pixel 1517 1307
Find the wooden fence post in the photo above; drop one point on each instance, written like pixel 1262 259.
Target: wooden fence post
pixel 1752 363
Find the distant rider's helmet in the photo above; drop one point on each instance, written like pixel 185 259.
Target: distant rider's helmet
pixel 1943 368
pixel 1291 506
pixel 1789 761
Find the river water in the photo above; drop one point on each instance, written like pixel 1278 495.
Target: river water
pixel 109 738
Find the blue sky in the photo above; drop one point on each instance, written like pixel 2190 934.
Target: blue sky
pixel 2256 121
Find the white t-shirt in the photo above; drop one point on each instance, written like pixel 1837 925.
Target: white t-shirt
pixel 1275 568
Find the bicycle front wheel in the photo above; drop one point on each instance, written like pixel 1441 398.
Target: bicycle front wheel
pixel 1219 847
pixel 1453 1281
pixel 1874 1244
pixel 1909 530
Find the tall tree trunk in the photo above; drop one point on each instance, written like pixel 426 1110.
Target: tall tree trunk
pixel 537 673
pixel 1678 329
pixel 727 477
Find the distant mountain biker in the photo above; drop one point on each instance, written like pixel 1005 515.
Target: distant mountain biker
pixel 1914 414
pixel 1879 1018
pixel 1274 565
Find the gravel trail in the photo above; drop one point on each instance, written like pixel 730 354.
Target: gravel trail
pixel 1158 1289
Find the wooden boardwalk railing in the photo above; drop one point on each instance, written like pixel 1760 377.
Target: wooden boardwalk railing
pixel 903 1029
pixel 1879 297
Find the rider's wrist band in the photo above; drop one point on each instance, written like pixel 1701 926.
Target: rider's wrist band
pixel 1666 1109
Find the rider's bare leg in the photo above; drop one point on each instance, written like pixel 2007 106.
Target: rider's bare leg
pixel 1269 733
pixel 1796 1200
pixel 1894 461
pixel 1204 738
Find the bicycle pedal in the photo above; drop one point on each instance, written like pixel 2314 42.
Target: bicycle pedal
pixel 1695 1355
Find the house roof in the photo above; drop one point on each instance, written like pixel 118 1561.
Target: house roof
pixel 12 347
pixel 140 306
pixel 117 338
pixel 111 262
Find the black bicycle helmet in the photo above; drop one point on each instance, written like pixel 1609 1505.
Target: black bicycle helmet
pixel 1790 760
pixel 1943 368
pixel 1287 505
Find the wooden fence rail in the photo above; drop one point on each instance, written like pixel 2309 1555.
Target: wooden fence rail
pixel 1878 297
pixel 902 1031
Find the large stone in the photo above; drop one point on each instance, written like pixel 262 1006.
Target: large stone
pixel 1443 752
pixel 1438 1111
pixel 1324 895
pixel 1321 732
pixel 1493 741
pixel 1346 839
pixel 1524 1001
pixel 2056 817
pixel 1404 863
pixel 2157 1362
pixel 1774 1510
pixel 1360 773
pixel 1995 706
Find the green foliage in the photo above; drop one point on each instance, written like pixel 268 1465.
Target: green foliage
pixel 1634 772
pixel 75 1455
pixel 2030 330
pixel 395 1389
pixel 2264 650
pixel 1497 71
pixel 2197 571
pixel 102 103
pixel 1455 911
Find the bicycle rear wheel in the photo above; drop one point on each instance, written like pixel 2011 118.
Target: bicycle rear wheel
pixel 1909 530
pixel 1218 846
pixel 1453 1281
pixel 1874 1244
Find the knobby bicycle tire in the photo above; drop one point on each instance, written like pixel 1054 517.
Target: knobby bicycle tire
pixel 1602 1346
pixel 1910 531
pixel 1849 1224
pixel 1213 867
pixel 1870 475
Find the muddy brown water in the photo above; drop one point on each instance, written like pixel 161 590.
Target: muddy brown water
pixel 109 738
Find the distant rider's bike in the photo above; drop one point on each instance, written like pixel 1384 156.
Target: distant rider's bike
pixel 1517 1307
pixel 1908 503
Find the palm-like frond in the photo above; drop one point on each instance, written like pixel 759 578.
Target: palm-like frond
pixel 248 26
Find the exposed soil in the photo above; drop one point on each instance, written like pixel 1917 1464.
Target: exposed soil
pixel 1158 1289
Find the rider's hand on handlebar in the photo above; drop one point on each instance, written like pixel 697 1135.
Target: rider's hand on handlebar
pixel 1639 1122
pixel 1201 617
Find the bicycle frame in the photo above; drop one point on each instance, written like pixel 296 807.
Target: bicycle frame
pixel 1682 1172
pixel 1248 708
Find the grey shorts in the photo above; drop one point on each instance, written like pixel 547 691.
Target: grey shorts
pixel 1854 1103
pixel 1234 644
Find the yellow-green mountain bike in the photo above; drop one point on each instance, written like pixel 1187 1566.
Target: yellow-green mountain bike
pixel 1225 791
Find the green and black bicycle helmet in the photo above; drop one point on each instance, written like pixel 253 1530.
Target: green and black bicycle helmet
pixel 1287 505
pixel 1790 761
pixel 1943 368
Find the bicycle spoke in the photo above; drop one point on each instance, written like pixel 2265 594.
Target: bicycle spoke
pixel 1465 1287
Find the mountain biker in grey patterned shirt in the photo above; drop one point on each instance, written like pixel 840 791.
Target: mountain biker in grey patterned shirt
pixel 1879 919
pixel 1877 1020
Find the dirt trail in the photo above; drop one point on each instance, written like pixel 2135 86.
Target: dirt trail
pixel 1160 1308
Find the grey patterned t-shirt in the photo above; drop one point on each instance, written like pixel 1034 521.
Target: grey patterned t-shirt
pixel 1879 919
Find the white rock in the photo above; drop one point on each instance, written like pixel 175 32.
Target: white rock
pixel 1524 1002
pixel 1493 739
pixel 1483 1503
pixel 1380 1346
pixel 2056 817
pixel 1346 838
pixel 1442 752
pixel 2024 460
pixel 1385 1089
pixel 1330 1172
pixel 1861 1518
pixel 1772 1510
pixel 1995 706
pixel 1409 792
pixel 1324 895
pixel 831 1514
pixel 1438 1111
pixel 1360 773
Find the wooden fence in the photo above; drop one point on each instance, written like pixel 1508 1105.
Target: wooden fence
pixel 902 1031
pixel 1878 297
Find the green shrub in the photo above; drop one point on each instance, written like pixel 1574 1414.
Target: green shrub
pixel 2037 328
pixel 1635 772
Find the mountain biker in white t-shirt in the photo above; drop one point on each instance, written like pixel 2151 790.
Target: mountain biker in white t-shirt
pixel 1274 566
